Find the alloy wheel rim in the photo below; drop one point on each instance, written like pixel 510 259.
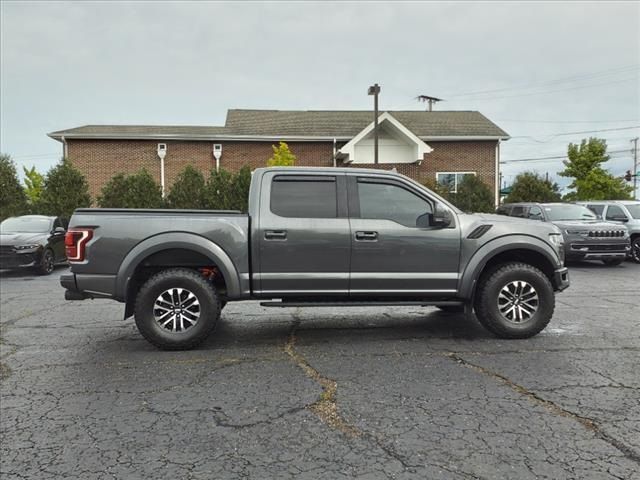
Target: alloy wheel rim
pixel 635 251
pixel 48 261
pixel 176 310
pixel 518 302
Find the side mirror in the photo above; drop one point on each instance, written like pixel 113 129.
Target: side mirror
pixel 620 218
pixel 441 216
pixel 59 231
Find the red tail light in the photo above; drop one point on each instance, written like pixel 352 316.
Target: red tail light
pixel 75 241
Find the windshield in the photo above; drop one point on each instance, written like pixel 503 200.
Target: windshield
pixel 634 210
pixel 25 225
pixel 569 212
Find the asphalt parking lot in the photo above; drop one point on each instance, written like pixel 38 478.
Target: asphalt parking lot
pixel 322 393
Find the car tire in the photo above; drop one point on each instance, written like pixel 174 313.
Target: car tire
pixel 612 262
pixel 176 309
pixel 47 263
pixel 516 300
pixel 635 250
pixel 451 308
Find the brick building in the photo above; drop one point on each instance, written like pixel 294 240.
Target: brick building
pixel 442 145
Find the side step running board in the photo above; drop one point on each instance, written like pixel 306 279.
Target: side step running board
pixel 424 303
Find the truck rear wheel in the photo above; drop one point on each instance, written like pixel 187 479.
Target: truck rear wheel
pixel 176 309
pixel 515 301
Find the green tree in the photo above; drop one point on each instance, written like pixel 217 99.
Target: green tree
pixel 240 188
pixel 189 190
pixel 590 180
pixel 138 190
pixel 219 190
pixel 64 190
pixel 437 187
pixel 282 156
pixel 34 185
pixel 473 196
pixel 532 187
pixel 13 200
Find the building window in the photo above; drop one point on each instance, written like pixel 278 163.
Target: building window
pixel 452 179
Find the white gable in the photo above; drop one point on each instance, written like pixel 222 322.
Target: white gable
pixel 396 144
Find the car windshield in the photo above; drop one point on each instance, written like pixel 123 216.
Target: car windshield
pixel 634 210
pixel 25 225
pixel 569 212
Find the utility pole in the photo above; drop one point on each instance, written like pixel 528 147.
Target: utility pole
pixel 375 91
pixel 429 100
pixel 635 167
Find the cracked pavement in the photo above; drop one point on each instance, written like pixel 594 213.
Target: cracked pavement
pixel 332 393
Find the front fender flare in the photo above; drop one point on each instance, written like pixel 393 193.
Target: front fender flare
pixel 478 261
pixel 183 240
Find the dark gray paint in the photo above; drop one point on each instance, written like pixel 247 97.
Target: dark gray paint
pixel 313 256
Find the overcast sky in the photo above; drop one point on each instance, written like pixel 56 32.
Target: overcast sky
pixel 550 68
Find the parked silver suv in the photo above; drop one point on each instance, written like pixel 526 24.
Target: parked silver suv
pixel 626 212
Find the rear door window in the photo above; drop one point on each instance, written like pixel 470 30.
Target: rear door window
pixel 297 196
pixel 519 211
pixel 614 213
pixel 597 209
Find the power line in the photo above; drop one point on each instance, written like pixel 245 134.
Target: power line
pixel 564 134
pixel 567 121
pixel 577 87
pixel 556 157
pixel 601 73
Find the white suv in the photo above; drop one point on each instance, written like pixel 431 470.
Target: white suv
pixel 622 211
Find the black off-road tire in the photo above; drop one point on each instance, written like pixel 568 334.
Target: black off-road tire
pixel 635 250
pixel 451 308
pixel 612 262
pixel 47 263
pixel 182 278
pixel 486 301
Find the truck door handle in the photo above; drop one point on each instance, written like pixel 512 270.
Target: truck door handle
pixel 275 234
pixel 367 236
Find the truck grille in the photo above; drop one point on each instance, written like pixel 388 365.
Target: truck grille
pixel 607 233
pixel 620 247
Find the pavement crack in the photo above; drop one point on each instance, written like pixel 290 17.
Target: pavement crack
pixel 326 407
pixel 552 407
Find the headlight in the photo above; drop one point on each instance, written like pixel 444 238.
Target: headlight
pixel 578 232
pixel 27 247
pixel 556 239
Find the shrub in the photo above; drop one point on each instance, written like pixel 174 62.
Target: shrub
pixel 189 190
pixel 473 196
pixel 531 187
pixel 13 200
pixel 64 190
pixel 139 190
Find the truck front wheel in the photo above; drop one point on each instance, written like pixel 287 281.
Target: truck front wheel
pixel 176 309
pixel 515 301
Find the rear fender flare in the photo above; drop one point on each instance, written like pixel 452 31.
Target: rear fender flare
pixel 183 240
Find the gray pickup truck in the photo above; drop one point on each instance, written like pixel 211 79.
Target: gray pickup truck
pixel 316 237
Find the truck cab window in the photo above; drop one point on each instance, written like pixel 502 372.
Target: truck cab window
pixel 386 201
pixel 304 196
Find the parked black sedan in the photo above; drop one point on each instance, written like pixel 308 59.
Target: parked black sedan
pixel 32 241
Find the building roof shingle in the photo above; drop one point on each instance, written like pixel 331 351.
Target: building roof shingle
pixel 283 124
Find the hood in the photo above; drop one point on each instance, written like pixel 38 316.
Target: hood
pixel 13 239
pixel 587 225
pixel 527 224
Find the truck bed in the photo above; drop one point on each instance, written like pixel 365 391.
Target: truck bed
pixel 120 233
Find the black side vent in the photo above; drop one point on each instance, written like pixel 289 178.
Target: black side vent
pixel 480 231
